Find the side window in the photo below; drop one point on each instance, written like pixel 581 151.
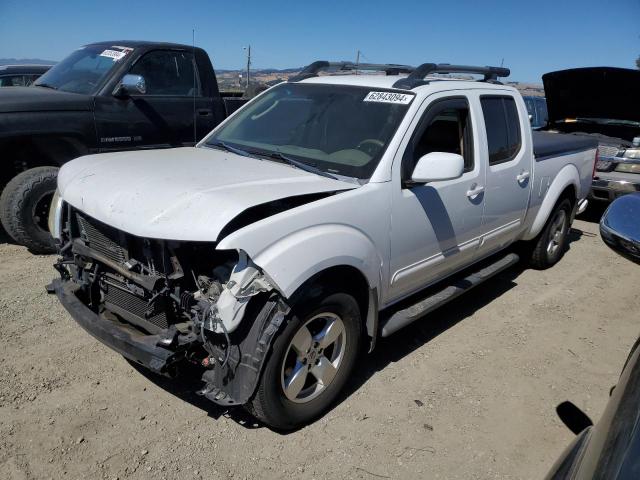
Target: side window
pixel 543 115
pixel 531 109
pixel 168 72
pixel 503 128
pixel 13 81
pixel 445 127
pixel 31 79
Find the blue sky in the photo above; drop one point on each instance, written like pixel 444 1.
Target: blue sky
pixel 533 37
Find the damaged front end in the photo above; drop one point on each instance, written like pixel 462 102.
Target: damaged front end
pixel 169 304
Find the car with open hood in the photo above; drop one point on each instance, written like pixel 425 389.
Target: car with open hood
pixel 603 102
pixel 328 212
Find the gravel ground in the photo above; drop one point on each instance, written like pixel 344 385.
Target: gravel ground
pixel 469 392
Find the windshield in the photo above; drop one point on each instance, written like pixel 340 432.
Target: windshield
pixel 338 129
pixel 84 70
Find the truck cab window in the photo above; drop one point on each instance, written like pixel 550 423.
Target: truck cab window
pixel 503 128
pixel 447 128
pixel 168 72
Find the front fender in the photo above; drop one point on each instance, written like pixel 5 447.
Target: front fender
pixel 296 257
pixel 567 176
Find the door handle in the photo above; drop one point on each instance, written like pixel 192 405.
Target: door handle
pixel 475 191
pixel 204 112
pixel 523 176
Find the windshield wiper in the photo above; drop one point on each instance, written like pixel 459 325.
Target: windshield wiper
pixel 45 85
pixel 229 148
pixel 297 164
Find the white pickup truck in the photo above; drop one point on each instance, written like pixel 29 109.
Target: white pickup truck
pixel 329 211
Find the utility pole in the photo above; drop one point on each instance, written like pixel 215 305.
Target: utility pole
pixel 248 49
pixel 357 61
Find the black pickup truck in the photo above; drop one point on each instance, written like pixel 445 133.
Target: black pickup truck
pixel 107 96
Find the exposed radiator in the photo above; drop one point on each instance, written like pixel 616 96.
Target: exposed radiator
pixel 101 238
pixel 132 307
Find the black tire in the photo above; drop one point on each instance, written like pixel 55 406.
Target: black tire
pixel 270 405
pixel 24 208
pixel 544 254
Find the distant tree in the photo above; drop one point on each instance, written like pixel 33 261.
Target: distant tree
pixel 638 63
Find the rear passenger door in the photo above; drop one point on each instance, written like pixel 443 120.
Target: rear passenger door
pixel 509 170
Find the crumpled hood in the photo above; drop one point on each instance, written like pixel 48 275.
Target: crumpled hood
pixel 180 193
pixel 597 92
pixel 40 99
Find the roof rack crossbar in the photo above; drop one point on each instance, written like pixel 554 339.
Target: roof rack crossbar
pixel 416 77
pixel 314 68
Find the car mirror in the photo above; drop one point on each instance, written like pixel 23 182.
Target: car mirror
pixel 574 418
pixel 131 85
pixel 619 226
pixel 438 166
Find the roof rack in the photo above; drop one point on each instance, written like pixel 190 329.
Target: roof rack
pixel 314 68
pixel 416 77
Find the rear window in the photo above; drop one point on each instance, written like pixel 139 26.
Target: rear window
pixel 503 128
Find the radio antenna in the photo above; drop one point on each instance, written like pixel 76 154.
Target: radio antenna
pixel 193 90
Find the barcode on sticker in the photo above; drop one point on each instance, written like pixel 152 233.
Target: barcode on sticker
pixel 388 97
pixel 116 55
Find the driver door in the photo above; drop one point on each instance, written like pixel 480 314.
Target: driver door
pixel 437 227
pixel 164 115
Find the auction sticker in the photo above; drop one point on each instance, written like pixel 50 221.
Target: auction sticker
pixel 388 97
pixel 114 54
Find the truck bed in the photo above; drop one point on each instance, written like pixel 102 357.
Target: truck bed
pixel 547 144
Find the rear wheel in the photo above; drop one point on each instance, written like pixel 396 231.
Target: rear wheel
pixel 310 362
pixel 550 245
pixel 24 208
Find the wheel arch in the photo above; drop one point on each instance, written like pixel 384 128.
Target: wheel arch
pixel 319 253
pixel 30 151
pixel 349 280
pixel 566 184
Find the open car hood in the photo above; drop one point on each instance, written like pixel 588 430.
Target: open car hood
pixel 596 92
pixel 181 193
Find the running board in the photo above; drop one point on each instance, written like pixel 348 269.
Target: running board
pixel 404 317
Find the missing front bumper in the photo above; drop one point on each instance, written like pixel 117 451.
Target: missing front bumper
pixel 227 384
pixel 138 347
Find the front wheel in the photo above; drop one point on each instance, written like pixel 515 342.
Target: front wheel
pixel 310 362
pixel 550 245
pixel 24 208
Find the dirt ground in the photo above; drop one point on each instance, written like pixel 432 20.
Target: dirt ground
pixel 469 392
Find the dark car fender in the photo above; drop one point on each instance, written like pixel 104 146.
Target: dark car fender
pixel 34 139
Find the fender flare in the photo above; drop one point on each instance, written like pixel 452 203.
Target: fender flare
pixel 297 257
pixel 293 259
pixel 56 148
pixel 567 176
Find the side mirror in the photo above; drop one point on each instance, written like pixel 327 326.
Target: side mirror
pixel 131 85
pixel 574 418
pixel 620 228
pixel 437 166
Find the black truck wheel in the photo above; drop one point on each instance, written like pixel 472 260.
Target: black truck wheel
pixel 550 245
pixel 310 362
pixel 24 208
